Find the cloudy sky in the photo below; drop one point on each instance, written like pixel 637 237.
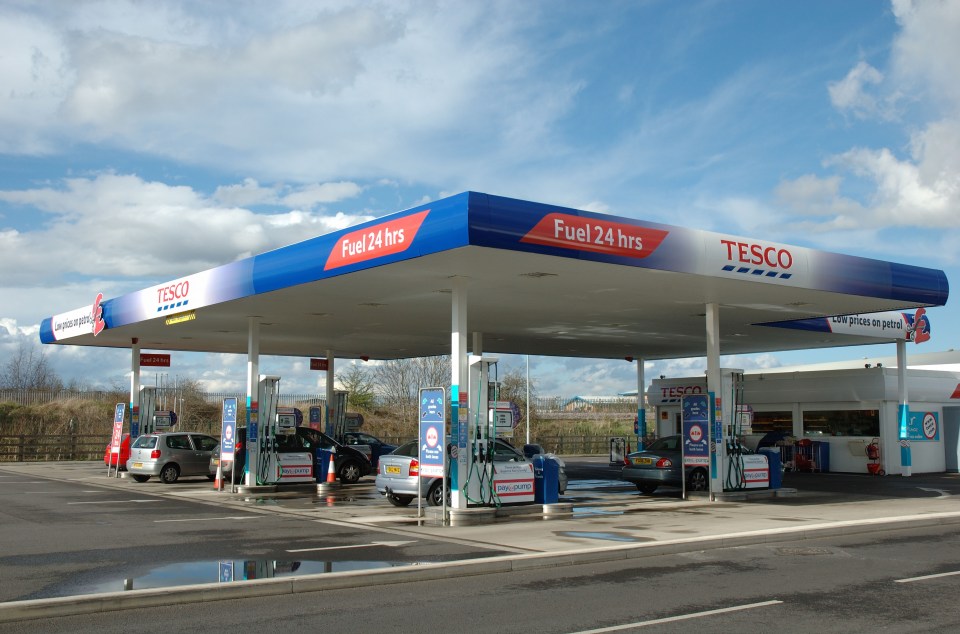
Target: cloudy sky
pixel 143 141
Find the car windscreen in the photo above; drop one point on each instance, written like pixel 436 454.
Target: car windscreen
pixel 407 449
pixel 145 442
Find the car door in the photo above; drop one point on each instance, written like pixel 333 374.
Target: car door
pixel 179 449
pixel 203 446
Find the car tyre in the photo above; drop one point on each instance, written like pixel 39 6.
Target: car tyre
pixel 169 473
pixel 399 500
pixel 139 478
pixel 646 488
pixel 350 472
pixel 697 480
pixel 435 494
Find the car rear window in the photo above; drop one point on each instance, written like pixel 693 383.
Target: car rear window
pixel 145 442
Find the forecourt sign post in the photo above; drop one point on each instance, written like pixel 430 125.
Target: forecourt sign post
pixel 431 453
pixel 228 435
pixel 695 447
pixel 117 436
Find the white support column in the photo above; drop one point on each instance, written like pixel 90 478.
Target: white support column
pixel 714 387
pixel 903 410
pixel 527 415
pixel 330 408
pixel 253 407
pixel 641 405
pixel 458 382
pixel 135 388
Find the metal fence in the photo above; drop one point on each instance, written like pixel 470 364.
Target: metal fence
pixel 36 448
pixel 543 404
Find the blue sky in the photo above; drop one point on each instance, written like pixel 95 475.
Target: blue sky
pixel 142 141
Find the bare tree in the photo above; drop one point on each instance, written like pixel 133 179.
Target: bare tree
pixel 28 369
pixel 398 380
pixel 357 380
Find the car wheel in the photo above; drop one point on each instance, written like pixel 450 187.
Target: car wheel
pixel 399 500
pixel 350 473
pixel 697 480
pixel 169 474
pixel 646 488
pixel 435 494
pixel 211 476
pixel 140 478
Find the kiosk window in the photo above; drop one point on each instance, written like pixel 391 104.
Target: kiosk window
pixel 844 422
pixel 764 422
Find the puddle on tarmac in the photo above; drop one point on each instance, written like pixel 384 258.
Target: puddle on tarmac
pixel 188 573
pixel 587 511
pixel 606 536
pixel 579 485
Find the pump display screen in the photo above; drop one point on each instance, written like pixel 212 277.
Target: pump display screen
pixel 286 421
pixel 162 420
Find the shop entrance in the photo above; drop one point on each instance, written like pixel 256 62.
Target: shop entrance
pixel 951 438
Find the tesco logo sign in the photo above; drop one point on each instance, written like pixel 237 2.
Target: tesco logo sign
pixel 173 292
pixel 677 391
pixel 757 254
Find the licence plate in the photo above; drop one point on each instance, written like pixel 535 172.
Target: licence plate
pixel 138 465
pixel 216 462
pixel 392 469
pixel 643 461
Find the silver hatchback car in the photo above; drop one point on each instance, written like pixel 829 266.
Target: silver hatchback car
pixel 170 455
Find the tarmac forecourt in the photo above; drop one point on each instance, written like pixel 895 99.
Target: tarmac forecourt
pixel 540 544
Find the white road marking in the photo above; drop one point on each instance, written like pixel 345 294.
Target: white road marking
pixel 925 577
pixel 389 544
pixel 682 617
pixel 116 502
pixel 943 492
pixel 211 519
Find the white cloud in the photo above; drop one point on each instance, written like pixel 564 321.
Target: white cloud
pixel 310 196
pixel 306 92
pixel 120 226
pixel 851 93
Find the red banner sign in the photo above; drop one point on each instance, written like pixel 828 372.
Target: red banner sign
pixel 154 360
pixel 387 238
pixel 318 364
pixel 591 234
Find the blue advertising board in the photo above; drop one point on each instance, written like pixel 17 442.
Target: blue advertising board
pixel 432 431
pixel 922 426
pixel 696 421
pixel 228 429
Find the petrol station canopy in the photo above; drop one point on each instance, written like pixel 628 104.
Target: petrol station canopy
pixel 540 279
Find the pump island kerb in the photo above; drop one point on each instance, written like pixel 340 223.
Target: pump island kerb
pixel 517 277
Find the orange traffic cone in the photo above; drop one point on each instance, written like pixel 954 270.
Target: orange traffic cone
pixel 332 469
pixel 218 480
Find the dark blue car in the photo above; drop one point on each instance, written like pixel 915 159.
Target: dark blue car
pixel 361 441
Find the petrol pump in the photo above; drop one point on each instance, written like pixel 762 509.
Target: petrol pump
pixel 490 483
pixel 262 461
pixel 733 468
pixel 148 405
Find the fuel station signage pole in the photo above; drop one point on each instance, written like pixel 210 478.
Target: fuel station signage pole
pixel 431 447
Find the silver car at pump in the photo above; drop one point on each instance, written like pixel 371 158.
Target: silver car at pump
pixel 170 455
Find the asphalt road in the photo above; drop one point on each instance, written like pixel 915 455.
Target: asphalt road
pixel 64 537
pixel 840 584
